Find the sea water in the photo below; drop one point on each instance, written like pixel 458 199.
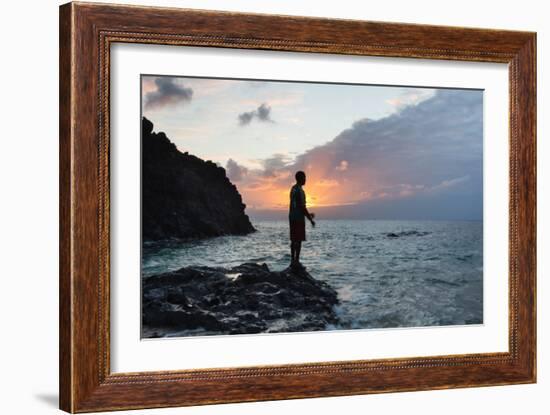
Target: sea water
pixel 386 273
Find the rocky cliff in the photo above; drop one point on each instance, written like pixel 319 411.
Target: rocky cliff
pixel 246 299
pixel 184 196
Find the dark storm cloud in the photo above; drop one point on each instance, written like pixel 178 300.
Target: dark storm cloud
pixel 262 113
pixel 423 161
pixel 439 139
pixel 275 164
pixel 246 117
pixel 434 146
pixel 168 92
pixel 235 172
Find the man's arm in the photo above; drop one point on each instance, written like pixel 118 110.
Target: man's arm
pixel 306 212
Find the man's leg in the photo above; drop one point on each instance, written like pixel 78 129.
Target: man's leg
pixel 292 250
pixel 297 249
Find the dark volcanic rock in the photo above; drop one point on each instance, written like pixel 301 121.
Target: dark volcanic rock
pixel 406 233
pixel 246 299
pixel 184 196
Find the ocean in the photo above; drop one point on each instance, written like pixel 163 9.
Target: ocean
pixel 387 273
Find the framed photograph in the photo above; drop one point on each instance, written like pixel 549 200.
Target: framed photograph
pixel 258 207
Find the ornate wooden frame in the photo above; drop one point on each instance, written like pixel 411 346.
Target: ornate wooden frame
pixel 86 33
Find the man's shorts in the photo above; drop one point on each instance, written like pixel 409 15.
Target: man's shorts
pixel 297 230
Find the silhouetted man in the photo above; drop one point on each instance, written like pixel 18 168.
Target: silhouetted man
pixel 297 214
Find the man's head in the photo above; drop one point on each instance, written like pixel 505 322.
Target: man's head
pixel 300 178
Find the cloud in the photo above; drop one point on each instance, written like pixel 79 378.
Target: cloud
pixel 430 150
pixel 235 172
pixel 410 96
pixel 245 118
pixel 203 87
pixel 167 92
pixel 424 144
pixel 446 184
pixel 327 183
pixel 262 113
pixel 274 164
pixel 343 166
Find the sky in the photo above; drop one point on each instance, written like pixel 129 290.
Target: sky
pixel 378 152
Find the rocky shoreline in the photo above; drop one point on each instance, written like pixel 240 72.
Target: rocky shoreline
pixel 248 298
pixel 184 196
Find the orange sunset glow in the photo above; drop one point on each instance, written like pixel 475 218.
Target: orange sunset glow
pixel 326 186
pixel 407 152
